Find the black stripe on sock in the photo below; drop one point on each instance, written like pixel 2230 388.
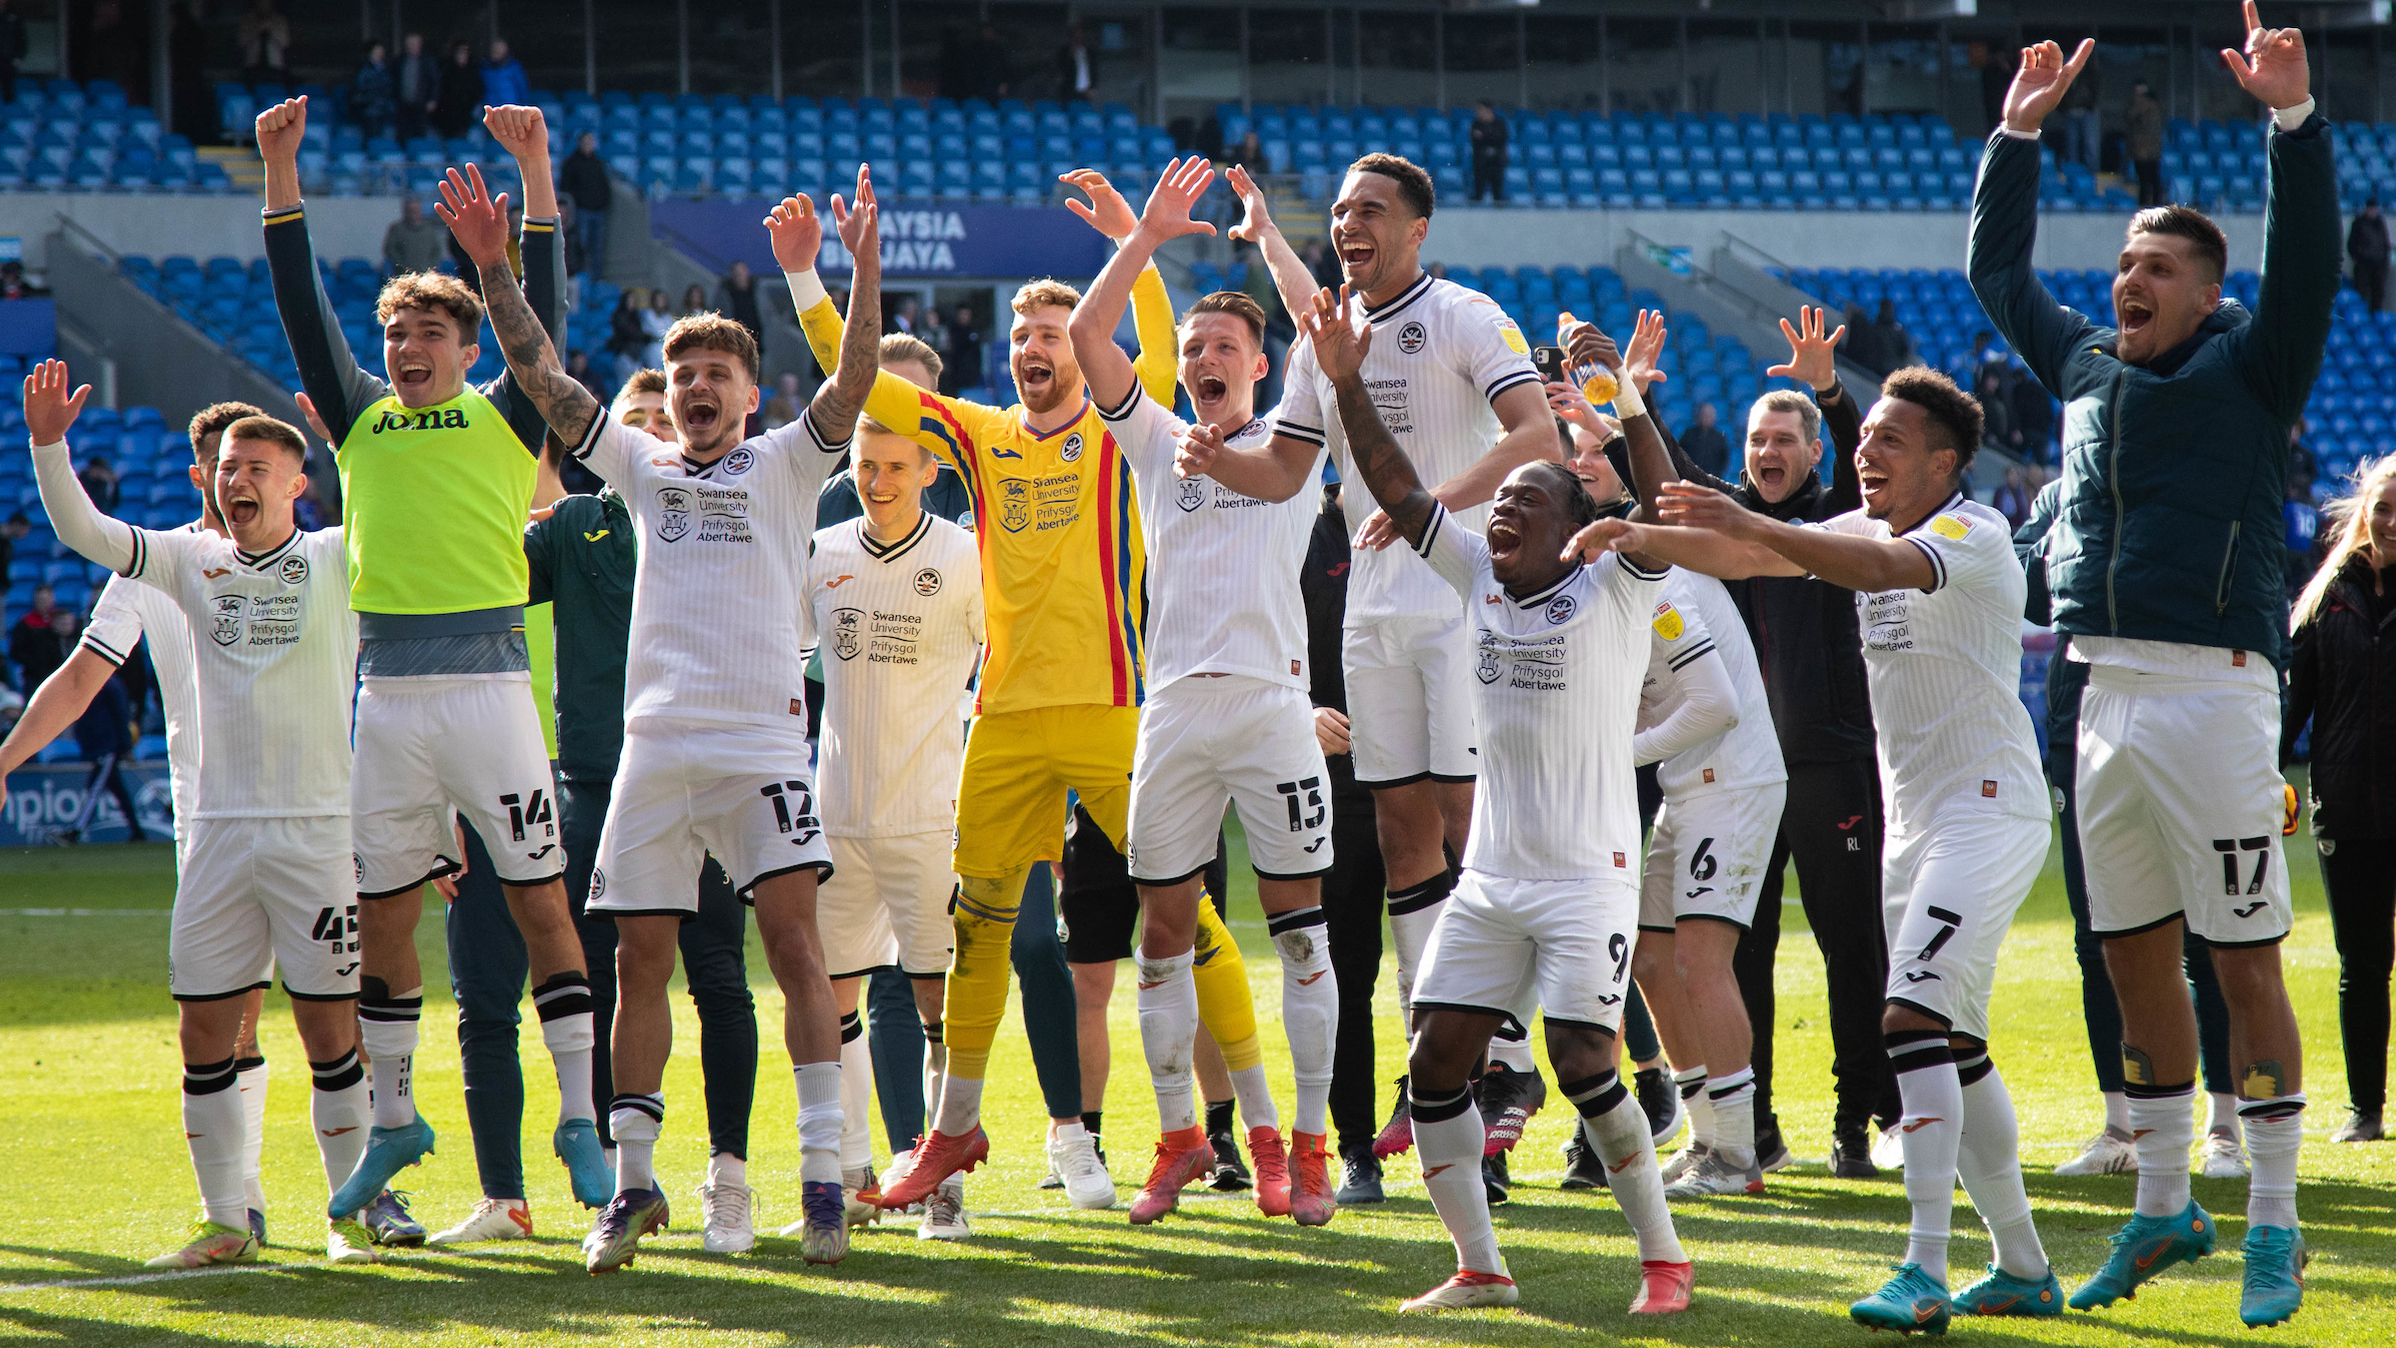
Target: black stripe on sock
pixel 1980 1066
pixel 339 1074
pixel 1594 1096
pixel 1415 898
pixel 392 1009
pixel 1091 1119
pixel 207 1078
pixel 1277 923
pixel 564 995
pixel 1218 1115
pixel 652 1105
pixel 2138 1092
pixel 1914 1050
pixel 249 1064
pixel 932 1032
pixel 852 1028
pixel 1437 1108
pixel 2263 1111
pixel 1690 1090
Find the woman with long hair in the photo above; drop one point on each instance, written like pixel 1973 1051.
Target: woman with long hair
pixel 2342 675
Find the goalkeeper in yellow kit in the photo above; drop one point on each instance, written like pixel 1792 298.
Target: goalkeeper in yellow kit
pixel 1062 567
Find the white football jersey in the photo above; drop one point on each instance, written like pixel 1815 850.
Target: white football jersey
pixel 126 614
pixel 1441 354
pixel 275 652
pixel 1223 568
pixel 719 629
pixel 901 625
pixel 1696 619
pixel 1945 670
pixel 1555 694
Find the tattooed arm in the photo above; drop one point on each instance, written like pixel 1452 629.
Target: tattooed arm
pixel 480 224
pixel 1339 347
pixel 841 399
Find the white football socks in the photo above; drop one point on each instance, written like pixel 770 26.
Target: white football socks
pixel 1309 1011
pixel 1932 1134
pixel 1616 1128
pixel 856 1094
pixel 564 1004
pixel 1731 1100
pixel 387 1026
pixel 249 1075
pixel 2274 1132
pixel 1988 1160
pixel 819 1121
pixel 1448 1134
pixel 635 1121
pixel 1691 1082
pixel 212 1128
pixel 339 1111
pixel 1168 1010
pixel 960 1109
pixel 2162 1124
pixel 1412 913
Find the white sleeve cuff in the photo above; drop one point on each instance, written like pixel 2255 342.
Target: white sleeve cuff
pixel 2291 118
pixel 2004 129
pixel 806 289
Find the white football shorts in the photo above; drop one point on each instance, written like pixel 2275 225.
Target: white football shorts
pixel 430 749
pixel 887 904
pixel 1410 706
pixel 1948 896
pixel 1206 741
pixel 1502 945
pixel 2181 801
pixel 1707 856
pixel 255 893
pixel 684 790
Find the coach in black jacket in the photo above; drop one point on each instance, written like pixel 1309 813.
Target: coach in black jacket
pixel 1806 642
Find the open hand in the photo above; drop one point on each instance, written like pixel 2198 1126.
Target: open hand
pixel 49 408
pixel 1812 356
pixel 1606 535
pixel 307 407
pixel 1339 344
pixel 1257 224
pixel 2044 76
pixel 2273 70
pixel 1107 211
pixel 1167 215
pixel 523 132
pixel 474 215
pixel 1646 348
pixel 797 233
pixel 860 229
pixel 1375 534
pixel 1567 402
pixel 280 128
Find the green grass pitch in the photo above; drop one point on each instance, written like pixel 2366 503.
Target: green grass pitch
pixel 97 1181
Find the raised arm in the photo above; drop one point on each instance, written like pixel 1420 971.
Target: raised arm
pixel 2301 272
pixel 1813 361
pixel 327 370
pixel 49 410
pixel 1151 303
pixel 480 223
pixel 1339 346
pixel 524 134
pixel 2005 219
pixel 1110 373
pixel 840 399
pixel 1291 280
pixel 1845 560
pixel 54 708
pixel 1661 545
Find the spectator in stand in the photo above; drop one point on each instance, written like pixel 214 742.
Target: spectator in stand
pixel 628 332
pixel 504 81
pixel 583 179
pixel 13 48
pixel 418 86
pixel 100 483
pixel 309 510
pixel 1889 338
pixel 1705 444
pixel 1250 155
pixel 1863 340
pixel 414 242
pixel 13 285
pixel 2013 495
pixel 2082 124
pixel 2367 247
pixel 2303 469
pixel 962 364
pixel 786 404
pixel 1489 152
pixel 1077 68
pixel 992 70
pixel 578 364
pixel 373 94
pixel 2033 419
pixel 903 317
pixel 656 321
pixel 1997 430
pixel 738 301
pixel 2303 531
pixel 1322 264
pixel 2342 677
pixel 694 299
pixel 460 98
pixel 15 529
pixel 104 737
pixel 2142 140
pixel 265 44
pixel 34 644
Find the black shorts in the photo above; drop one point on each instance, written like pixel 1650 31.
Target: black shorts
pixel 1099 906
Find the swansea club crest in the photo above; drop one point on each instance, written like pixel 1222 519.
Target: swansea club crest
pixel 848 636
pixel 673 513
pixel 1193 494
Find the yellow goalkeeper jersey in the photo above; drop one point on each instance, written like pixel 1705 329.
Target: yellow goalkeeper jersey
pixel 1055 521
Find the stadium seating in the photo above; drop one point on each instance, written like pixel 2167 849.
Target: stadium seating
pixel 2353 402
pixel 152 491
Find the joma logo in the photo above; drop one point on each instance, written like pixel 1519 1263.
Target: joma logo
pixel 450 419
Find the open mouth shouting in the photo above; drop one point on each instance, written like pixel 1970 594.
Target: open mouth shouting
pixel 1503 538
pixel 700 416
pixel 240 505
pixel 1356 257
pixel 1034 377
pixel 2133 315
pixel 412 373
pixel 1210 389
